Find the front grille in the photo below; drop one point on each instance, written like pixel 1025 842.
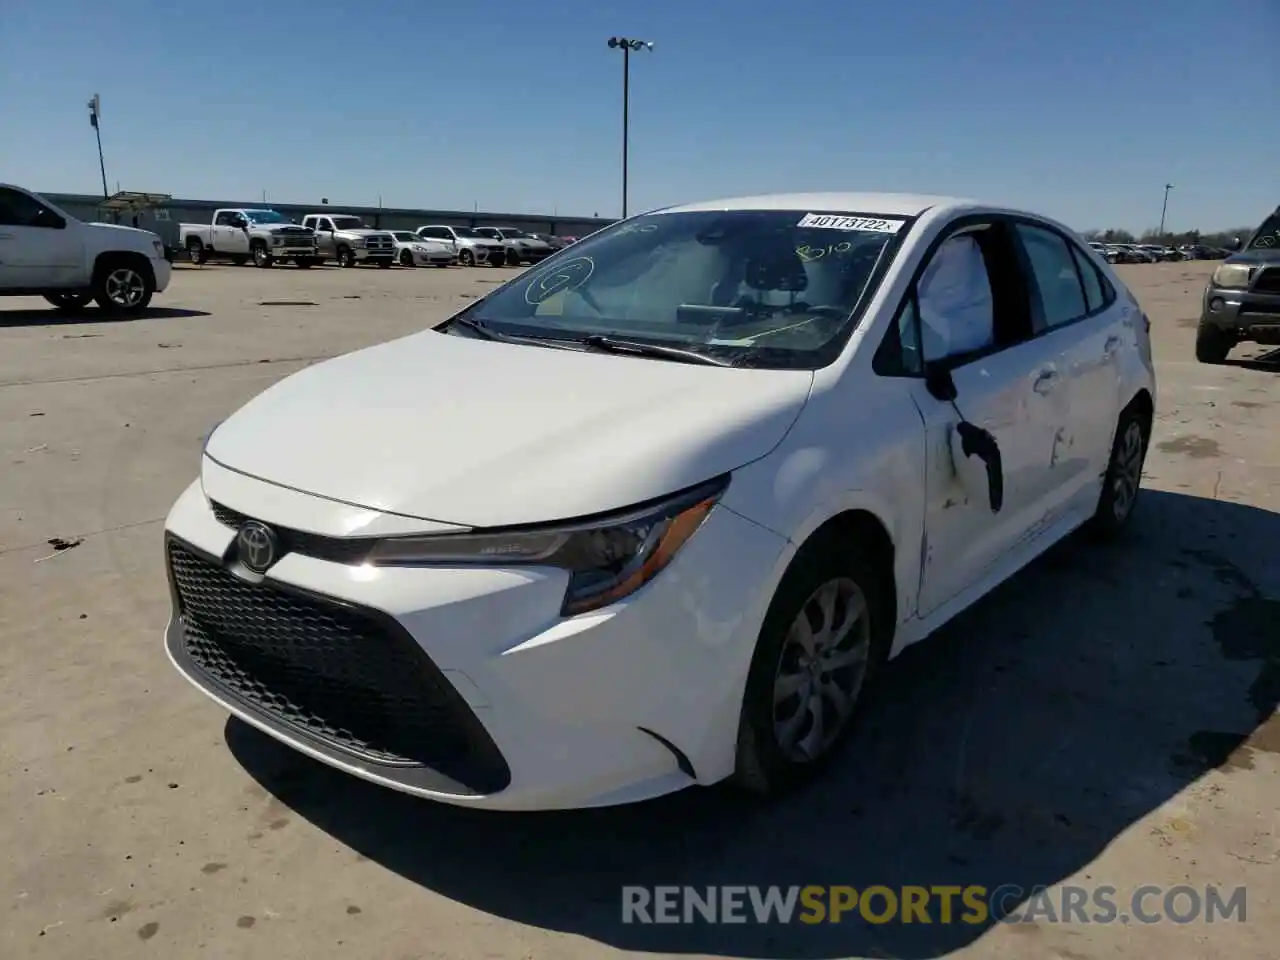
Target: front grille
pixel 1268 281
pixel 347 677
pixel 334 549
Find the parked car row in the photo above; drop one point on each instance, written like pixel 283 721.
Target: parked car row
pixel 1154 252
pixel 241 234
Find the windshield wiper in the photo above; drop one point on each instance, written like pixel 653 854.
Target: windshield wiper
pixel 482 329
pixel 615 345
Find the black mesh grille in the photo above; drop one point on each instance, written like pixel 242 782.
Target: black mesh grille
pixel 1268 281
pixel 339 674
pixel 335 549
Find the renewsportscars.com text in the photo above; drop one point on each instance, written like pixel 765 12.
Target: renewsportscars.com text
pixel 941 904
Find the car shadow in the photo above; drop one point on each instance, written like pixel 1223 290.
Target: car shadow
pixel 1010 748
pixel 52 318
pixel 1268 362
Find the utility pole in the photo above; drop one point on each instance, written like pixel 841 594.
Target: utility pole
pixel 1164 209
pixel 95 110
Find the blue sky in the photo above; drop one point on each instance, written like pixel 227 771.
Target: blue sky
pixel 1081 109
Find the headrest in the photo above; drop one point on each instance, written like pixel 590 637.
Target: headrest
pixel 776 266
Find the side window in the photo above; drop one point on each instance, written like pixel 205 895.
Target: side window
pixel 323 223
pixel 1098 293
pixel 223 219
pixel 954 303
pixel 309 222
pixel 19 210
pixel 1053 268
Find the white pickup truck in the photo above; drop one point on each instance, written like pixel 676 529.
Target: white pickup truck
pixel 240 233
pixel 46 252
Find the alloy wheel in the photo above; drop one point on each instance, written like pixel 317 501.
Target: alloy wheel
pixel 1127 474
pixel 125 287
pixel 821 670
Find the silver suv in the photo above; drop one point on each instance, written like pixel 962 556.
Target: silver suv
pixel 521 247
pixel 473 247
pixel 349 240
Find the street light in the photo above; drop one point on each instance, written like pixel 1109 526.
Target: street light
pixel 1165 208
pixel 95 111
pixel 627 45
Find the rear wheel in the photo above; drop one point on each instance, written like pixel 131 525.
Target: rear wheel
pixel 69 302
pixel 123 287
pixel 196 251
pixel 1123 479
pixel 1212 343
pixel 822 642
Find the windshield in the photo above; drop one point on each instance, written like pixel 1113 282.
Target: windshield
pixel 1268 235
pixel 514 235
pixel 769 287
pixel 266 216
pixel 404 236
pixel 468 232
pixel 348 223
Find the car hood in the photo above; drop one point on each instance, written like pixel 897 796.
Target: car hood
pixel 1258 255
pixel 482 433
pixel 282 228
pixel 142 236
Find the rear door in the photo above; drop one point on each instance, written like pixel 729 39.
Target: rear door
pixel 1075 312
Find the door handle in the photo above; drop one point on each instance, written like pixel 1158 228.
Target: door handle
pixel 1045 382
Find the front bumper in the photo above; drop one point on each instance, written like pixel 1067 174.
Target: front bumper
pixel 163 271
pixel 1247 315
pixel 434 259
pixel 381 253
pixel 286 251
pixel 614 706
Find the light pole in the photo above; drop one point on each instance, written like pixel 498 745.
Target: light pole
pixel 1165 208
pixel 627 45
pixel 95 109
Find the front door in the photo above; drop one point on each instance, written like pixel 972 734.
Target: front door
pixel 324 238
pixel 38 247
pixel 971 313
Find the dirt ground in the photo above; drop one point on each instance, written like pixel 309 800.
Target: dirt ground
pixel 1105 718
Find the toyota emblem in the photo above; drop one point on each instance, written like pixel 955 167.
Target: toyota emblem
pixel 257 546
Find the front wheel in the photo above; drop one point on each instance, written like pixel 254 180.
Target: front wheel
pixel 261 256
pixel 345 257
pixel 69 302
pixel 466 258
pixel 123 288
pixel 1123 479
pixel 1212 343
pixel 406 258
pixel 827 631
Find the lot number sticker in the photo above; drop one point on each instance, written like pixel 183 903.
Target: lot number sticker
pixel 826 221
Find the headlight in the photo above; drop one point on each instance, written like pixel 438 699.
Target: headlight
pixel 357 242
pixel 607 559
pixel 1233 275
pixel 276 239
pixel 204 444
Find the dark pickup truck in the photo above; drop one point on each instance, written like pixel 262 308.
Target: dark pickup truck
pixel 1242 300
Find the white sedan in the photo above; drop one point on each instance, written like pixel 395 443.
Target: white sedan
pixel 413 251
pixel 654 513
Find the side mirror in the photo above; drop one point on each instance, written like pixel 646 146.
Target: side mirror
pixel 974 440
pixel 940 384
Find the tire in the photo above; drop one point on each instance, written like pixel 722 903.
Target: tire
pixel 1212 343
pixel 239 259
pixel 261 256
pixel 196 251
pixel 345 257
pixel 303 263
pixel 406 258
pixel 123 286
pixel 513 259
pixel 1123 480
pixel 69 302
pixel 466 258
pixel 385 264
pixel 769 760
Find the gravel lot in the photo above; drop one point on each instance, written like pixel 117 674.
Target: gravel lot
pixel 1105 718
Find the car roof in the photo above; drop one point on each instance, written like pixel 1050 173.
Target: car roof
pixel 889 204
